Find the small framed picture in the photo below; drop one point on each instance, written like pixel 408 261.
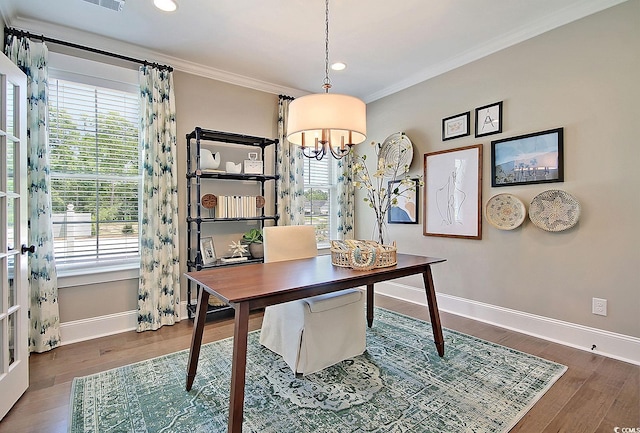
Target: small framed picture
pixel 405 208
pixel 207 250
pixel 489 119
pixel 528 159
pixel 456 126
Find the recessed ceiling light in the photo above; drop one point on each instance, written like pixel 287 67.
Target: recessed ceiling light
pixel 166 5
pixel 338 66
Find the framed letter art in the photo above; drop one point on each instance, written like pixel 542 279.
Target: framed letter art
pixel 452 193
pixel 489 119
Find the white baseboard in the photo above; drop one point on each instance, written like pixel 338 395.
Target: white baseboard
pixel 95 327
pixel 610 344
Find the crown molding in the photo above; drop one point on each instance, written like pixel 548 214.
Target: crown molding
pixel 6 12
pixel 553 21
pixel 569 14
pixel 123 48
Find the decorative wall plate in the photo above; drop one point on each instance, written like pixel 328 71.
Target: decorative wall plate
pixel 397 152
pixel 505 211
pixel 554 210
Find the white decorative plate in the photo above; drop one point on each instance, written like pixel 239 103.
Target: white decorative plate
pixel 505 211
pixel 554 210
pixel 397 152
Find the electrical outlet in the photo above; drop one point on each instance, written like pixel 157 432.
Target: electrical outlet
pixel 599 306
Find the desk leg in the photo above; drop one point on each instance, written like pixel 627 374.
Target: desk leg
pixel 238 367
pixel 433 310
pixel 370 305
pixel 196 338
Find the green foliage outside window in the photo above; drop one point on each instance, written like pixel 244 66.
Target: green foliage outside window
pixel 95 166
pixel 315 194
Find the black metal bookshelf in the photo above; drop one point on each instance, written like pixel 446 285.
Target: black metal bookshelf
pixel 195 219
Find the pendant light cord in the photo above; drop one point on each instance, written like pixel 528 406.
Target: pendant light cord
pixel 327 82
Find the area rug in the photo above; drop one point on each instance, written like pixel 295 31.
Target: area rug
pixel 399 384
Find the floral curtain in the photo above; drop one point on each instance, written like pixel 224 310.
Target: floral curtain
pixel 44 329
pixel 346 197
pixel 289 165
pixel 159 287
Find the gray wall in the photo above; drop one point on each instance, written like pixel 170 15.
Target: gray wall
pixel 219 106
pixel 583 77
pixel 199 102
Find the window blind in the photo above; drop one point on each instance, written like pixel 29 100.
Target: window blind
pixel 319 194
pixel 95 173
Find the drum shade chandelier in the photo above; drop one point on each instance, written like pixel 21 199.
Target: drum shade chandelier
pixel 326 123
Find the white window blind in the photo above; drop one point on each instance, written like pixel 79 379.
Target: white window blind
pixel 95 173
pixel 320 198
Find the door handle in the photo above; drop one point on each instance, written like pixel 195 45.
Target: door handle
pixel 25 249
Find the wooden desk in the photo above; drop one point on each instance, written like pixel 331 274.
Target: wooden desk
pixel 250 287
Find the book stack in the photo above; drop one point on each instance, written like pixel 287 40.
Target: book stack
pixel 237 206
pixel 233 259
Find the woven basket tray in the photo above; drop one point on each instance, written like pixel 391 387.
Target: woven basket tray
pixel 362 255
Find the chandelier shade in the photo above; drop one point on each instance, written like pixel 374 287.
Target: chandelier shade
pixel 340 119
pixel 326 123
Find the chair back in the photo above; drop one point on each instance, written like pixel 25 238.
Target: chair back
pixel 289 243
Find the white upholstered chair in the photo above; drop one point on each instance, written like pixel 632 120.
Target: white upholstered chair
pixel 317 332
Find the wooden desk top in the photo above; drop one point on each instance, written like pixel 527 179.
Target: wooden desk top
pixel 265 284
pixel 259 285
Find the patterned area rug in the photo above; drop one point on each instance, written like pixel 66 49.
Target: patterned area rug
pixel 398 385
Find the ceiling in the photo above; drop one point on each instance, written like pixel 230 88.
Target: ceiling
pixel 278 45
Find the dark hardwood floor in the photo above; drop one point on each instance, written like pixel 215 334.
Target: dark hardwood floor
pixel 596 394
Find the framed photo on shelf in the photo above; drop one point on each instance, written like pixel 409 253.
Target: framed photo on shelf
pixel 528 159
pixel 453 193
pixel 405 211
pixel 456 126
pixel 207 250
pixel 489 119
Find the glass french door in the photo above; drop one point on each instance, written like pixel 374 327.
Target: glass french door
pixel 14 348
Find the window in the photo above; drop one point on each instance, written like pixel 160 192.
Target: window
pixel 95 172
pixel 320 198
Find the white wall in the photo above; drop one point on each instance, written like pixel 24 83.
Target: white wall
pixel 583 77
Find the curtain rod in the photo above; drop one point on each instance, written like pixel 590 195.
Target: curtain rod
pixel 11 31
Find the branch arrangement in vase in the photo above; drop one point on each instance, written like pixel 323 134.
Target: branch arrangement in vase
pixel 379 197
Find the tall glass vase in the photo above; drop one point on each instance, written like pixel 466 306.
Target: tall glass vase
pixel 380 233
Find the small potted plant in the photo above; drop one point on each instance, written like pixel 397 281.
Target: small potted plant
pixel 254 238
